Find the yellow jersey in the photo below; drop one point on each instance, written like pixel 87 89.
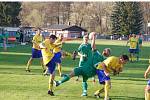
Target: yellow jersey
pixel 133 42
pixel 37 39
pixel 58 48
pixel 47 52
pixel 112 64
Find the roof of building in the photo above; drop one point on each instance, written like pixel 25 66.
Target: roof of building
pixel 66 27
pixel 58 26
pixel 75 28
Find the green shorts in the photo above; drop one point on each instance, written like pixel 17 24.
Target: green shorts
pixel 86 72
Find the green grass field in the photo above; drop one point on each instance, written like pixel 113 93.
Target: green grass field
pixel 16 84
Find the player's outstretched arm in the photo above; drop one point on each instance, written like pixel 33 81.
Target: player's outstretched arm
pixel 93 41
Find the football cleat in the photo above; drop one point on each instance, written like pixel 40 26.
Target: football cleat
pixel 45 74
pixel 108 99
pixel 44 70
pixel 56 83
pixel 84 94
pixel 50 93
pixel 28 70
pixel 97 95
pixel 63 75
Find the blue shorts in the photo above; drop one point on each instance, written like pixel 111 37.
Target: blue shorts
pixel 36 53
pixel 101 76
pixel 147 88
pixel 58 57
pixel 132 50
pixel 148 83
pixel 52 65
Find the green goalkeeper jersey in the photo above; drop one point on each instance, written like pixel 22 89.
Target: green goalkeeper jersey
pixel 90 65
pixel 86 50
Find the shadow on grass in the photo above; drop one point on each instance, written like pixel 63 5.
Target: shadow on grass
pixel 132 75
pixel 21 71
pixel 118 98
pixel 132 79
pixel 125 98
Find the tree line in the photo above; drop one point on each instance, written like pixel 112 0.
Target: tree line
pixel 102 17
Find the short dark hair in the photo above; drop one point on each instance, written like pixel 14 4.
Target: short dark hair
pixel 53 36
pixel 125 57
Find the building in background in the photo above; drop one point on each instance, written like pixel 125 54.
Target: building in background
pixel 69 32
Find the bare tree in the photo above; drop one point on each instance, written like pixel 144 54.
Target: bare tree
pixel 33 14
pixel 146 14
pixel 79 12
pixel 99 13
pixel 92 15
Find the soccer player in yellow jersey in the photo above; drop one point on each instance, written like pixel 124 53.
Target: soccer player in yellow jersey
pixel 58 51
pixel 111 64
pixel 36 51
pixel 133 46
pixel 49 59
pixel 147 88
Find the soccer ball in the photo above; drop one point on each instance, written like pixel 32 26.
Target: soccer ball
pixel 91 35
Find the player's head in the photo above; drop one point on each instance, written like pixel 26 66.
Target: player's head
pixel 107 52
pixel 130 35
pixel 38 31
pixel 137 36
pixel 85 38
pixel 124 59
pixel 133 34
pixel 52 38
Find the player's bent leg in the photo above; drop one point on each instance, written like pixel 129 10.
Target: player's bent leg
pixel 98 92
pixel 58 61
pixel 76 72
pixel 65 78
